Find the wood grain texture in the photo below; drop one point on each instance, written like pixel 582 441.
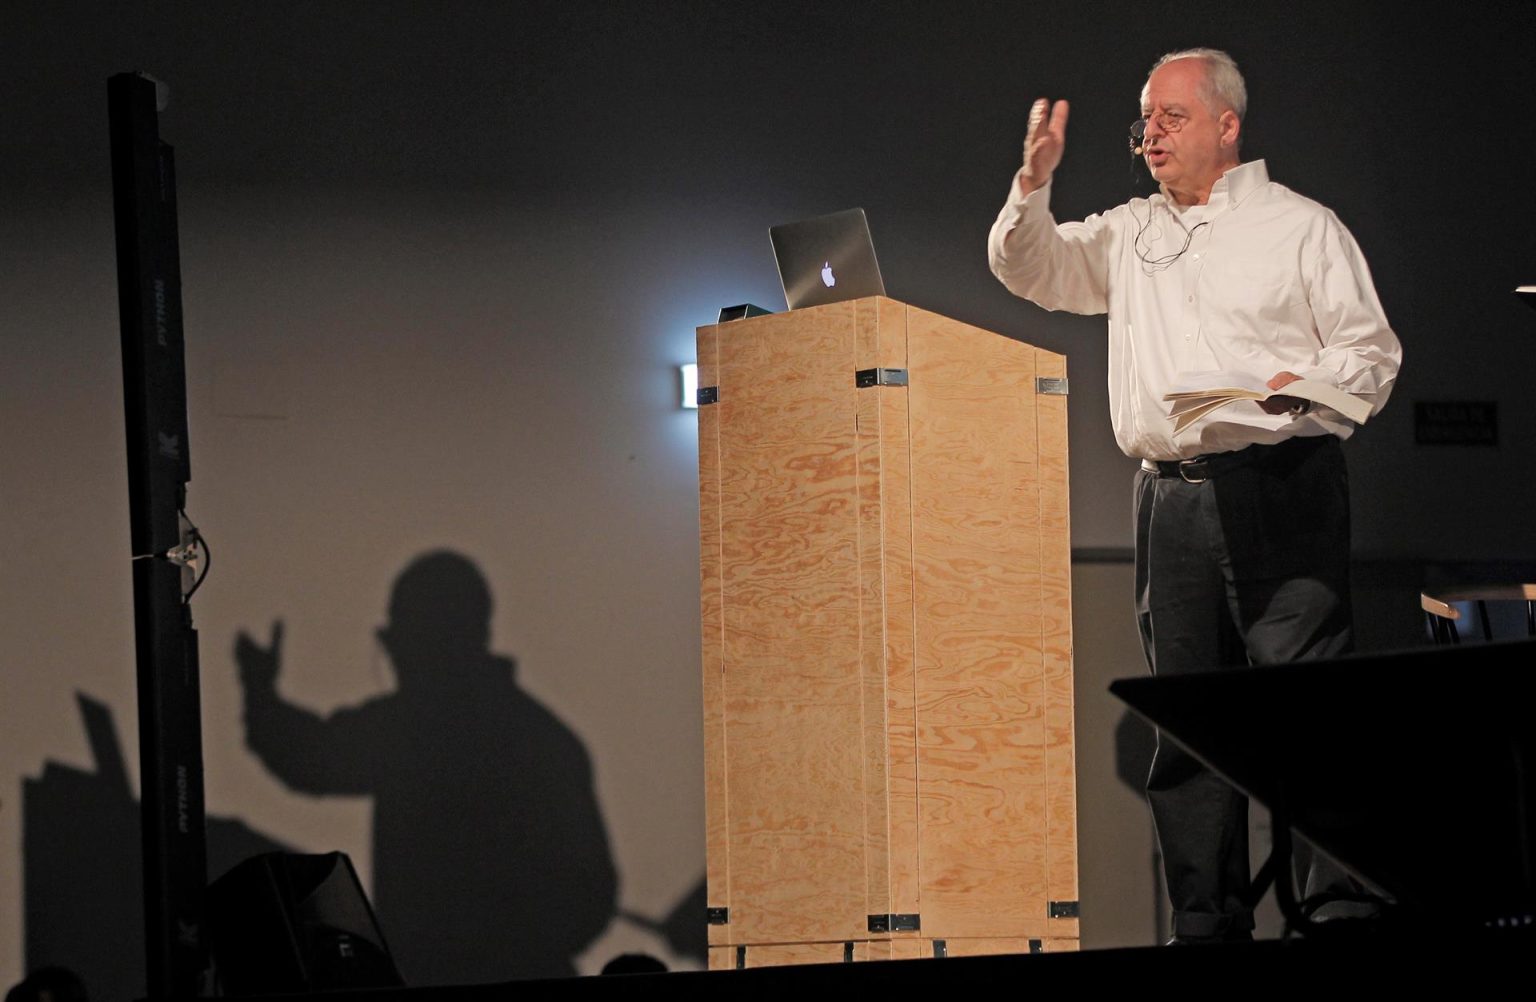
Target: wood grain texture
pixel 877 793
pixel 790 584
pixel 964 946
pixel 900 612
pixel 716 796
pixel 880 342
pixel 892 705
pixel 900 949
pixel 782 954
pixel 980 679
pixel 1056 643
pixel 771 955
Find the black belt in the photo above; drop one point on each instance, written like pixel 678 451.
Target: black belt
pixel 1199 469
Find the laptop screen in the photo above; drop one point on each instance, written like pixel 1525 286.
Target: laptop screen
pixel 826 259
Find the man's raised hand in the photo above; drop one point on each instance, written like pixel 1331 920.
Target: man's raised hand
pixel 1044 143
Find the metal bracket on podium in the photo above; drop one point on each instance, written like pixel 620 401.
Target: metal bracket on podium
pixel 1051 385
pixel 880 377
pixel 895 923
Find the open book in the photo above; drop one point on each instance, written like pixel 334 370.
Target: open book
pixel 1200 393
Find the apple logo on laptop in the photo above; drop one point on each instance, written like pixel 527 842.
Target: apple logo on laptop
pixel 827 278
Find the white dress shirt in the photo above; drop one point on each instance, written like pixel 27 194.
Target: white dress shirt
pixel 1267 281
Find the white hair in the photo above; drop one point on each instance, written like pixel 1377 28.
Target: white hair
pixel 1223 85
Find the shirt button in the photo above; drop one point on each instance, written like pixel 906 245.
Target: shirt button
pixel 1191 299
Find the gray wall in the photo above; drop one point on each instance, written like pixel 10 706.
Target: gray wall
pixel 440 262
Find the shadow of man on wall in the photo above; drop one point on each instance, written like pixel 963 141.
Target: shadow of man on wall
pixel 490 858
pixel 83 866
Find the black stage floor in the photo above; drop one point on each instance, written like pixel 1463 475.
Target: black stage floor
pixel 1495 961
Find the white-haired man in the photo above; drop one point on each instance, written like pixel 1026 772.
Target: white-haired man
pixel 1242 518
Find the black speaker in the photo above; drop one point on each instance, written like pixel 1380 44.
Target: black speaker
pixel 288 922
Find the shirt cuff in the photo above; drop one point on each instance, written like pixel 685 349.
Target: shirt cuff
pixel 1019 207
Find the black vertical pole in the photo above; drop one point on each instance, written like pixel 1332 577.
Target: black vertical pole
pixel 155 405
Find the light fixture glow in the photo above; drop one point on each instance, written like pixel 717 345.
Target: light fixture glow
pixel 690 379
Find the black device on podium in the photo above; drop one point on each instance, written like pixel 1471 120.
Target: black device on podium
pixel 164 545
pixel 1413 769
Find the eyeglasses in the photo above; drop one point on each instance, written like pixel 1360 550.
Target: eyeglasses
pixel 1168 121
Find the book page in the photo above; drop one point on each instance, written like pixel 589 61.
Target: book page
pixel 1195 390
pixel 1191 384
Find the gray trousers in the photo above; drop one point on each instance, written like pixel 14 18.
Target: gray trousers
pixel 1249 567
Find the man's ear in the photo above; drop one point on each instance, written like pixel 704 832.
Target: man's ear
pixel 1231 127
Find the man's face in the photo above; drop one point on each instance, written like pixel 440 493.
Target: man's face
pixel 1188 146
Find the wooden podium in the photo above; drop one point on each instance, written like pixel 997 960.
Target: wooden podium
pixel 887 639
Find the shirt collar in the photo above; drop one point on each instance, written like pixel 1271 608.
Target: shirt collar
pixel 1242 181
pixel 1235 185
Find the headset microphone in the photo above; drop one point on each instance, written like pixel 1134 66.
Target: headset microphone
pixel 1138 134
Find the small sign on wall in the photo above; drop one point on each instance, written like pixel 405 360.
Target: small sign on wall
pixel 1454 422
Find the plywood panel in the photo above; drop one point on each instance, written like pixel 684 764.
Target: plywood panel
pixel 880 340
pixel 964 946
pixel 877 806
pixel 1056 643
pixel 889 728
pixel 727 958
pixel 883 488
pixel 996 947
pixel 716 844
pixel 900 949
pixel 980 675
pixel 790 585
pixel 900 616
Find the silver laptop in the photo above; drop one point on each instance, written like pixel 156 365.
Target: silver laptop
pixel 826 259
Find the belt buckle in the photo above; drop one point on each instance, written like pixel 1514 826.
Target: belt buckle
pixel 1185 465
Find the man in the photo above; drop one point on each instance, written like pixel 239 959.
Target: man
pixel 1242 518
